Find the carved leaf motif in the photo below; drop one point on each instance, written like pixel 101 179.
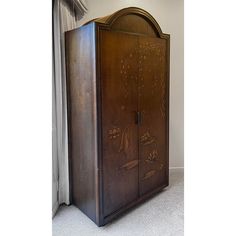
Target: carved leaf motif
pixel 130 165
pixel 147 139
pixel 149 174
pixel 124 143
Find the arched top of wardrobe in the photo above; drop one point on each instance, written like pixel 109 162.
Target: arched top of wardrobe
pixel 133 20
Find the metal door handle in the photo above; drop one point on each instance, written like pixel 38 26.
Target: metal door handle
pixel 138 118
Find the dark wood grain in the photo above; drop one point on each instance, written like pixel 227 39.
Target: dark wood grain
pixel 119 103
pixel 152 105
pixel 82 117
pixel 118 112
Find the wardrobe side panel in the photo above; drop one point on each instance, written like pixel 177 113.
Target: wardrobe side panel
pixel 82 117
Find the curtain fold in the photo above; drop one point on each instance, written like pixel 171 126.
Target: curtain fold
pixel 66 14
pixel 80 8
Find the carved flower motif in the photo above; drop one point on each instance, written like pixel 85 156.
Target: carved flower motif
pixel 153 156
pixel 146 139
pixel 114 133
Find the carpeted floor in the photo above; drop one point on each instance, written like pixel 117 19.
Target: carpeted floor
pixel 162 215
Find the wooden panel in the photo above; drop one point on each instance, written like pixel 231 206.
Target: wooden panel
pixel 82 117
pixel 120 132
pixel 153 100
pixel 135 24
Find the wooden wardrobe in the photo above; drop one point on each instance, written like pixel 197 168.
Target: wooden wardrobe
pixel 118 112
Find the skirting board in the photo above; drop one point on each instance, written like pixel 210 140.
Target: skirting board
pixel 176 169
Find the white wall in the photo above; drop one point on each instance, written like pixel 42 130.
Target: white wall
pixel 170 16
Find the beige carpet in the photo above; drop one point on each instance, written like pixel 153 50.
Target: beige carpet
pixel 162 215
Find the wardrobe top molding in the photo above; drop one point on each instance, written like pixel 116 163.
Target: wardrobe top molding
pixel 131 20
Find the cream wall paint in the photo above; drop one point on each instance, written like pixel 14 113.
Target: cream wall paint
pixel 170 16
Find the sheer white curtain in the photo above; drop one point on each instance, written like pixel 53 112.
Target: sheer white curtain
pixel 66 14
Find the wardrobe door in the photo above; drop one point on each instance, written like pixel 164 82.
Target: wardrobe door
pixel 119 58
pixel 152 102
